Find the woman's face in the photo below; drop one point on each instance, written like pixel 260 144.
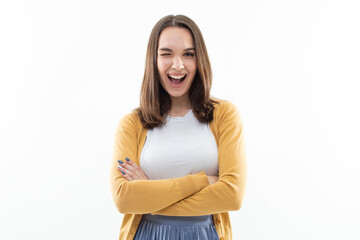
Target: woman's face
pixel 176 61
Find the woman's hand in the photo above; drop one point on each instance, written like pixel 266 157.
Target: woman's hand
pixel 213 179
pixel 130 170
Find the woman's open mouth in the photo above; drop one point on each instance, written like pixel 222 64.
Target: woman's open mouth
pixel 176 81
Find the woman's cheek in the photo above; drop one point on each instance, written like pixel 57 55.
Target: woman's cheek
pixel 190 63
pixel 163 63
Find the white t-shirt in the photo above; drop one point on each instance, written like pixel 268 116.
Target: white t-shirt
pixel 182 146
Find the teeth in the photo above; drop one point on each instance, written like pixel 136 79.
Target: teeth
pixel 177 77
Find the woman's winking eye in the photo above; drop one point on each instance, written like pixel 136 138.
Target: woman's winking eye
pixel 165 54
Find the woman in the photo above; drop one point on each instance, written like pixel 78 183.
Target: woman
pixel 179 159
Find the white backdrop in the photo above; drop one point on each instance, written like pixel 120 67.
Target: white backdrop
pixel 70 69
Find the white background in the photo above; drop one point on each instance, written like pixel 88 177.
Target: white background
pixel 71 69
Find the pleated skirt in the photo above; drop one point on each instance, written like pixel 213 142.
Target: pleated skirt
pixel 160 227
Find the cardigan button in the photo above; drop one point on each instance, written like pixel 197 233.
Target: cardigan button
pixel 218 221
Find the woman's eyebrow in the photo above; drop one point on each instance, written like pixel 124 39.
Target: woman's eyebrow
pixel 165 49
pixel 169 50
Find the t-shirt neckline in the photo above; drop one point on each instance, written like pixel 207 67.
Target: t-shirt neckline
pixel 181 117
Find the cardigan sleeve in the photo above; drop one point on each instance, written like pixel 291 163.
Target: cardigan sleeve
pixel 145 196
pixel 228 192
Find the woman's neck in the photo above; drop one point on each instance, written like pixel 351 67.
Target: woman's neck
pixel 180 106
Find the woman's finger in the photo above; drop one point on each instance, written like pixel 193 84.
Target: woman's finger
pixel 126 165
pixel 130 174
pixel 136 172
pixel 125 173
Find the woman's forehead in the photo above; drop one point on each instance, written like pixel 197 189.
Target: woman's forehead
pixel 175 38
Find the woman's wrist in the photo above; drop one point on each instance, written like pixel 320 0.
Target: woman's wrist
pixel 212 179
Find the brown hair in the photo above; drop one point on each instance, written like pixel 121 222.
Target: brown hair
pixel 155 102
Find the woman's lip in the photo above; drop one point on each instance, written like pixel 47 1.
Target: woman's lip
pixel 176 74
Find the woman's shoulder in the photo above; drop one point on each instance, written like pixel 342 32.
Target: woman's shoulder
pixel 226 116
pixel 222 106
pixel 131 119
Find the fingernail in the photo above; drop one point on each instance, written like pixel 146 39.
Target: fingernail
pixel 119 166
pixel 127 159
pixel 120 161
pixel 123 172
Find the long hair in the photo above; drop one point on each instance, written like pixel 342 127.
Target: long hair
pixel 155 102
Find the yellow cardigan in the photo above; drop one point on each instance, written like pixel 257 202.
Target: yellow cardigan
pixel 191 195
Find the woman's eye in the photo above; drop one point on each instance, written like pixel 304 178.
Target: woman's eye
pixel 189 54
pixel 165 54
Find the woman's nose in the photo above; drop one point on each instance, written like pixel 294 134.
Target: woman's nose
pixel 177 63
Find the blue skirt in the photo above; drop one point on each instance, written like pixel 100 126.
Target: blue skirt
pixel 160 227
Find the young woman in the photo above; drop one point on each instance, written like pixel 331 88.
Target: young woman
pixel 179 159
